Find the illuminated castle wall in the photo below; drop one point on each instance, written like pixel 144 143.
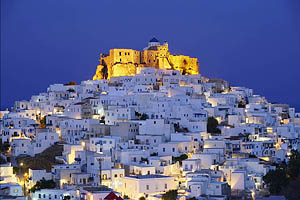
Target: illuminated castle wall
pixel 124 62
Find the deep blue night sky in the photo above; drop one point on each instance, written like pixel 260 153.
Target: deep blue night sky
pixel 251 43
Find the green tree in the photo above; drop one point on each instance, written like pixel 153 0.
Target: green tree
pixel 241 105
pixel 4 146
pixel 43 122
pixel 180 158
pixel 293 167
pixel 212 126
pixel 170 195
pixel 43 184
pixel 137 114
pixel 286 178
pixel 144 116
pixel 276 179
pixel 291 192
pixel 142 198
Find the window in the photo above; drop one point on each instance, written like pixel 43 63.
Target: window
pixel 173 149
pixel 164 149
pixel 147 187
pixel 166 186
pixel 116 175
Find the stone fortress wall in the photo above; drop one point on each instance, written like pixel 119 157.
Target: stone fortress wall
pixel 125 62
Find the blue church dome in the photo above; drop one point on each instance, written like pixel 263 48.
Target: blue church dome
pixel 154 40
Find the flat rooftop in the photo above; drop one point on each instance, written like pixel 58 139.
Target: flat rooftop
pixel 149 176
pixel 97 189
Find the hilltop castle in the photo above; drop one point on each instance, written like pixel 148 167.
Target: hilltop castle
pixel 126 62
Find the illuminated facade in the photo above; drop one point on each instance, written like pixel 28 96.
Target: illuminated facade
pixel 126 62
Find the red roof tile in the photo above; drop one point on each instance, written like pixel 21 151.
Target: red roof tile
pixel 111 196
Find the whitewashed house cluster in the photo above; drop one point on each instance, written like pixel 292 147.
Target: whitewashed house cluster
pixel 144 135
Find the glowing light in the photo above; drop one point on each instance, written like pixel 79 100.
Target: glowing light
pixel 267 159
pixel 96 116
pixel 83 144
pixel 119 63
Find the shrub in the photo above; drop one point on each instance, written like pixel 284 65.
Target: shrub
pixel 170 195
pixel 212 125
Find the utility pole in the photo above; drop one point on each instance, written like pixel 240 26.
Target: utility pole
pixel 21 171
pixel 100 170
pixel 24 184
